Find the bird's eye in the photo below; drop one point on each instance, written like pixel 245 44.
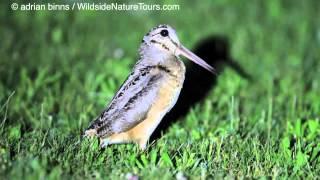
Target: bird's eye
pixel 164 33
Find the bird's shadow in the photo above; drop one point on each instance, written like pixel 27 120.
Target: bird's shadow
pixel 198 82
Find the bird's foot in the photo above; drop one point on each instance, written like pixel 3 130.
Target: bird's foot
pixel 143 144
pixel 104 143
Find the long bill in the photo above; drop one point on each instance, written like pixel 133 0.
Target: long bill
pixel 181 50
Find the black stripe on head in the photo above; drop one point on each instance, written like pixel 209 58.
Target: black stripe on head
pixel 160 26
pixel 157 27
pixel 176 44
pixel 164 46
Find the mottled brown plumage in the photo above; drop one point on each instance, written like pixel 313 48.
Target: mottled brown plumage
pixel 149 92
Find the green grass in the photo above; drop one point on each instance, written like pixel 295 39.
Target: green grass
pixel 58 71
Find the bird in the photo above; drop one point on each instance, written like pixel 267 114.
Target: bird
pixel 148 93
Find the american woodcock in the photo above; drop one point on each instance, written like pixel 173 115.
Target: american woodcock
pixel 149 92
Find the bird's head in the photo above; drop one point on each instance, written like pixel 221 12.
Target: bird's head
pixel 164 39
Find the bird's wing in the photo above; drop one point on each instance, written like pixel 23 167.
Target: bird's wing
pixel 130 104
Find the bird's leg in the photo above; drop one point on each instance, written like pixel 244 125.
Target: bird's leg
pixel 123 138
pixel 142 132
pixel 115 139
pixel 104 142
pixel 143 144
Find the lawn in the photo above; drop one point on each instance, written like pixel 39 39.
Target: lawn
pixel 59 69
